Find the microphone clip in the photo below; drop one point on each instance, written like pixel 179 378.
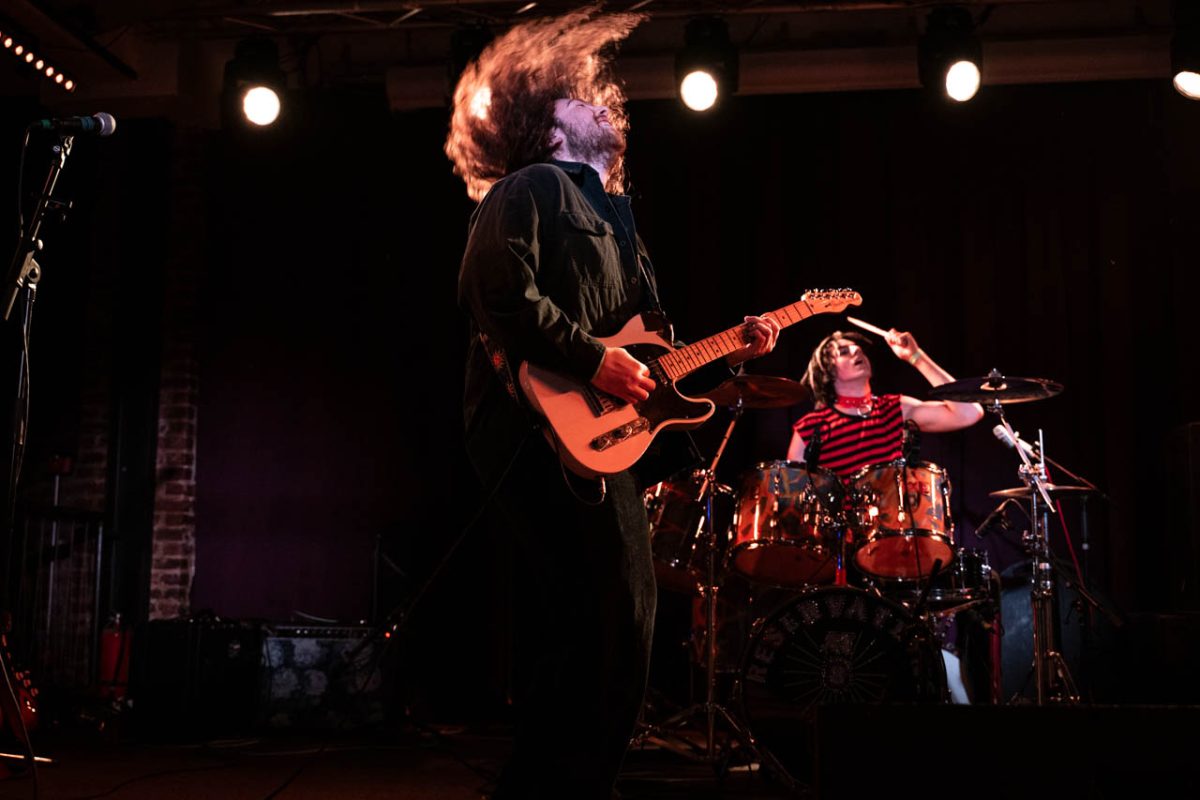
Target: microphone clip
pixel 996 520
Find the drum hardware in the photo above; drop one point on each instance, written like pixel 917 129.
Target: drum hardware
pixel 710 711
pixel 1086 602
pixel 1084 490
pixel 1056 491
pixel 677 509
pixel 922 604
pixel 1052 677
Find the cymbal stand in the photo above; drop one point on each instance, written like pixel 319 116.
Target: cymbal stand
pixel 1052 677
pixel 710 710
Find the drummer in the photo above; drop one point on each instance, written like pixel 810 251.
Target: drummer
pixel 851 427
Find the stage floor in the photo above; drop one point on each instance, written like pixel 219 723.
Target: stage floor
pixel 859 751
pixel 443 763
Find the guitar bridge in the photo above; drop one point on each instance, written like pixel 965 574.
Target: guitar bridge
pixel 599 402
pixel 620 434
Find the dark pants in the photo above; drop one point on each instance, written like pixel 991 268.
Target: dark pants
pixel 584 599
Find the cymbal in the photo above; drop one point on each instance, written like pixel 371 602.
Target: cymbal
pixel 759 391
pixel 1051 489
pixel 996 388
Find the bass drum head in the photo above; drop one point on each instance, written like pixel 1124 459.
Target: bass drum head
pixel 830 646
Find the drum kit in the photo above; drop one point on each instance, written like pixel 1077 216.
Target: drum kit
pixel 861 577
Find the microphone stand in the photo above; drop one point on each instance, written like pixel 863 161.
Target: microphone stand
pixel 23 275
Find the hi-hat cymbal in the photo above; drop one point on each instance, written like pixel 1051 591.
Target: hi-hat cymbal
pixel 996 388
pixel 759 391
pixel 1051 489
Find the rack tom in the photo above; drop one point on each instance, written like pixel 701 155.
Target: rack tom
pixel 784 525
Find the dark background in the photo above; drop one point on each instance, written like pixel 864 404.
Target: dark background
pixel 1046 231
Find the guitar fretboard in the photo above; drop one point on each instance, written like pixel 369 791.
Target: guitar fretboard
pixel 690 358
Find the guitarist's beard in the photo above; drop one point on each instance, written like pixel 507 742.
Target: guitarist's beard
pixel 595 144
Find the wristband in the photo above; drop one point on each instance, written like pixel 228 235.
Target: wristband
pixel 915 357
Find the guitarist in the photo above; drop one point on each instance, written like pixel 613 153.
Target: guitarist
pixel 552 261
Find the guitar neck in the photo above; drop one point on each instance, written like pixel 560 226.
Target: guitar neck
pixel 692 357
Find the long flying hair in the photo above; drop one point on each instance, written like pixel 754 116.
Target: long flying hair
pixel 822 367
pixel 504 101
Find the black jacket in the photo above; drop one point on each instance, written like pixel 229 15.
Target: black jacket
pixel 552 262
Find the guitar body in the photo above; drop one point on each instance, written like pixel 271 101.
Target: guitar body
pixel 596 434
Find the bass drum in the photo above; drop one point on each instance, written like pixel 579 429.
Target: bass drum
pixel 830 646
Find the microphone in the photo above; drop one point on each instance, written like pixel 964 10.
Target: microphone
pixel 100 123
pixel 994 519
pixel 1002 434
pixel 812 452
pixel 910 442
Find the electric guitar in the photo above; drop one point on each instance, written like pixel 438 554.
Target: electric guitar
pixel 598 434
pixel 26 694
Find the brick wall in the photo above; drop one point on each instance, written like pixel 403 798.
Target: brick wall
pixel 173 554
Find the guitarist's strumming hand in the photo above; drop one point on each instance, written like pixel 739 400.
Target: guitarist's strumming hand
pixel 623 376
pixel 761 333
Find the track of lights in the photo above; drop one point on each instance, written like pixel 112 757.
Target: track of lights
pixel 24 52
pixel 949 62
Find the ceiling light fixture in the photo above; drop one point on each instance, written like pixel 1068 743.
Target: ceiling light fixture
pixel 949 54
pixel 254 83
pixel 706 68
pixel 1185 51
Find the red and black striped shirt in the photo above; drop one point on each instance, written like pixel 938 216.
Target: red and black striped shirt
pixel 849 442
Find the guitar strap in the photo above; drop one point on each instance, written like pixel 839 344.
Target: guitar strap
pixel 499 361
pixel 498 358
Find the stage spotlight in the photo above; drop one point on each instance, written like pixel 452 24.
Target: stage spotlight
pixel 707 66
pixel 1185 53
pixel 261 105
pixel 254 83
pixel 949 55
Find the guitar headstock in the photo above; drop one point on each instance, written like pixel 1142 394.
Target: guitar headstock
pixel 831 300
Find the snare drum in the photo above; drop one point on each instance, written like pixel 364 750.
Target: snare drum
pixel 966 581
pixel 901 519
pixel 677 512
pixel 783 527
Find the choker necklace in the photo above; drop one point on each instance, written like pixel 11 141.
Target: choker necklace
pixel 860 405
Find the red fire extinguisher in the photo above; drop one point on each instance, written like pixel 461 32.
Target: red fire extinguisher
pixel 115 643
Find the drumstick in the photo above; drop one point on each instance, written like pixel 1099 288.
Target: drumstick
pixel 868 326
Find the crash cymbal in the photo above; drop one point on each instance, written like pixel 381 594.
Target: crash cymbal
pixel 759 391
pixel 996 388
pixel 1053 490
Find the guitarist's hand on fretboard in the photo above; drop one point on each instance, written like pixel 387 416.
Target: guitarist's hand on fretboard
pixel 760 334
pixel 623 376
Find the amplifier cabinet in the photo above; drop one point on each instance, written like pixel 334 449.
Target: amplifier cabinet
pixel 320 676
